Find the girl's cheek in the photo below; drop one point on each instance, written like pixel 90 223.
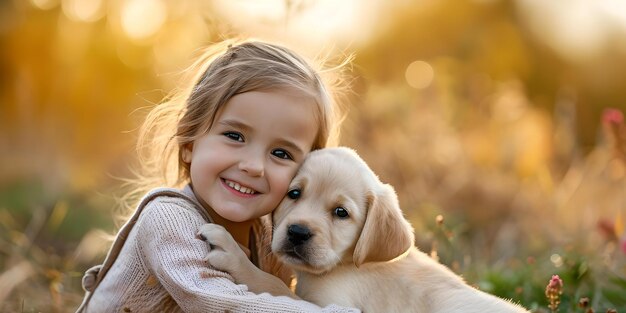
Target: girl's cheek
pixel 287 178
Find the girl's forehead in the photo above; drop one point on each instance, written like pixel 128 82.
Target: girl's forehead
pixel 270 109
pixel 270 99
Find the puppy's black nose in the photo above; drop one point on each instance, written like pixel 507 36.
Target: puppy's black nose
pixel 298 234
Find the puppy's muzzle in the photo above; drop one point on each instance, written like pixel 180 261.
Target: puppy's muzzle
pixel 298 234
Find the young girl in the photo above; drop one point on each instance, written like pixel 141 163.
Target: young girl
pixel 236 138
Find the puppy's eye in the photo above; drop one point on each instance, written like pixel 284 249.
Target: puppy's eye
pixel 294 194
pixel 341 212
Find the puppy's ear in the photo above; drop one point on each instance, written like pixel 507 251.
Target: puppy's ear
pixel 386 233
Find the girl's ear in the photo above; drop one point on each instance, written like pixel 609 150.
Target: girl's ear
pixel 186 152
pixel 386 233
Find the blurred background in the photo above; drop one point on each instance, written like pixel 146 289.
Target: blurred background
pixel 499 122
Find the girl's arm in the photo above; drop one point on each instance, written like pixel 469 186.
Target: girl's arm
pixel 166 235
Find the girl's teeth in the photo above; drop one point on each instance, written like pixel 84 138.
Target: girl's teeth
pixel 239 188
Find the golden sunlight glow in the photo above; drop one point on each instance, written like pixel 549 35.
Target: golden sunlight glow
pixel 615 9
pixel 308 24
pixel 143 18
pixel 83 10
pixel 174 44
pixel 580 30
pixel 265 10
pixel 419 74
pixel 45 4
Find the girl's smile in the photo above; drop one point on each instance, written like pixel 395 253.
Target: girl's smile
pixel 239 190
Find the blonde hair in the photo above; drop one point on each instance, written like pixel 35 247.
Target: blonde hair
pixel 224 70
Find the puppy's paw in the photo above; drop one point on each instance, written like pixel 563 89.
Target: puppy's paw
pixel 224 253
pixel 217 237
pixel 207 230
pixel 223 261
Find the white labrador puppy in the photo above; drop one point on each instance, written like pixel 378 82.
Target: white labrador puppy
pixel 342 231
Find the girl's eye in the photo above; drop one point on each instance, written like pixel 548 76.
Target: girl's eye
pixel 234 136
pixel 294 194
pixel 341 212
pixel 282 154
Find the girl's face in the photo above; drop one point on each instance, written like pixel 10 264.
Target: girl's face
pixel 243 166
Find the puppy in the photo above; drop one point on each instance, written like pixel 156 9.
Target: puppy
pixel 342 231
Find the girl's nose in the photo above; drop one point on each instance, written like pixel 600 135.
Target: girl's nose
pixel 252 165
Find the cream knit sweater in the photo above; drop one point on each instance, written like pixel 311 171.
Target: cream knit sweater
pixel 161 269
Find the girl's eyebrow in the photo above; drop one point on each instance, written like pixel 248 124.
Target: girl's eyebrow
pixel 235 124
pixel 291 146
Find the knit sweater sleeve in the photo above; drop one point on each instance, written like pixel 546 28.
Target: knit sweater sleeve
pixel 166 236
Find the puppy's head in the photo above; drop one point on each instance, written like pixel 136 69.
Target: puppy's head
pixel 338 212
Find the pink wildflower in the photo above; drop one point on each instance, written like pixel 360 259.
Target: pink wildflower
pixel 553 292
pixel 612 116
pixel 615 131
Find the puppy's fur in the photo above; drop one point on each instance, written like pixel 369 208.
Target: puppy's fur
pixel 349 244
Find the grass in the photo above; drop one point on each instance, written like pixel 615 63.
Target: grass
pixel 47 241
pixel 595 277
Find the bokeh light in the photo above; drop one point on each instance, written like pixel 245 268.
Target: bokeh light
pixel 84 10
pixel 142 19
pixel 419 74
